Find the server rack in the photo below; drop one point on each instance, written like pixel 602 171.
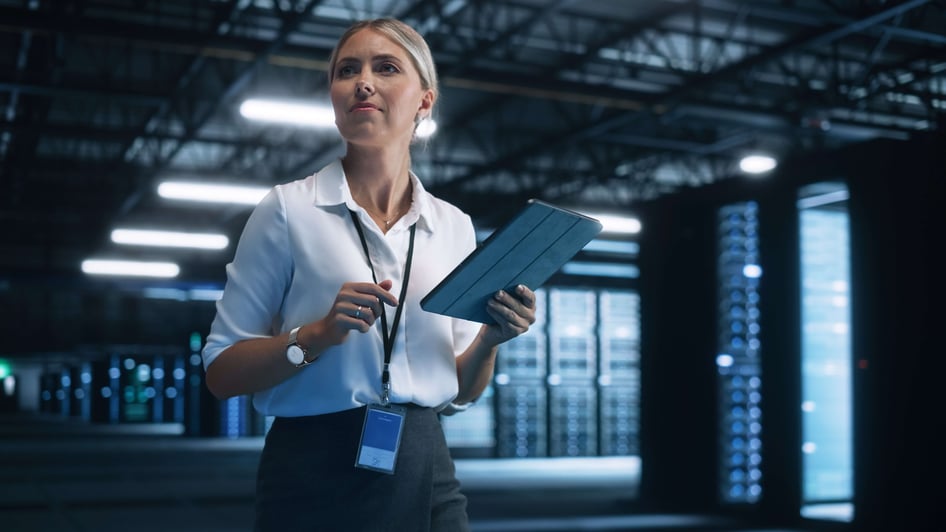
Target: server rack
pixel 619 372
pixel 739 366
pixel 573 347
pixel 521 400
pixel 569 387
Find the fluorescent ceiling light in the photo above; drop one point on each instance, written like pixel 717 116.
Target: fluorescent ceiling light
pixel 130 268
pixel 204 294
pixel 611 223
pixel 601 269
pixel 173 239
pixel 189 191
pixel 178 294
pixel 612 246
pixel 618 224
pixel 285 112
pixel 175 294
pixel 757 164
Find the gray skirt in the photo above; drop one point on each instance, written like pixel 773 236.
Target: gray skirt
pixel 307 480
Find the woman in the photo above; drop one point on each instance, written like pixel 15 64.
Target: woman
pixel 321 321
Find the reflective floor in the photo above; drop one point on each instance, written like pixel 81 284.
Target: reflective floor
pixel 75 481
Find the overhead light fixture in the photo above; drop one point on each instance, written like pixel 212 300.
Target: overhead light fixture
pixel 179 294
pixel 130 268
pixel 190 191
pixel 601 269
pixel 204 294
pixel 174 239
pixel 757 164
pixel 616 224
pixel 611 223
pixel 613 247
pixel 175 294
pixel 287 112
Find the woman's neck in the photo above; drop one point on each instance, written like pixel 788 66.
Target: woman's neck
pixel 378 182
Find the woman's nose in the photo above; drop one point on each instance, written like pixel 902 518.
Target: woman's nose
pixel 364 86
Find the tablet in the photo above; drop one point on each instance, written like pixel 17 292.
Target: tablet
pixel 528 249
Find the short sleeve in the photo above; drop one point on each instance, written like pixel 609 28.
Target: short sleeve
pixel 257 280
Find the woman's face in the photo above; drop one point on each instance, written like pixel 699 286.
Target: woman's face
pixel 376 92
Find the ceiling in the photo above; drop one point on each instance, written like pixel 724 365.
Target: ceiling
pixel 590 103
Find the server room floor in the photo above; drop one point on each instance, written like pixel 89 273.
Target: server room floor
pixel 95 482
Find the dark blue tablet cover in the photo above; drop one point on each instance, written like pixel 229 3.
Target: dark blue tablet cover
pixel 528 249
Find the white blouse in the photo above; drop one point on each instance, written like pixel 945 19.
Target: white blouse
pixel 297 249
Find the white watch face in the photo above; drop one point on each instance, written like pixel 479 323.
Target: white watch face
pixel 295 354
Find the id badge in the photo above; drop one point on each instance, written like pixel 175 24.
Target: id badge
pixel 381 438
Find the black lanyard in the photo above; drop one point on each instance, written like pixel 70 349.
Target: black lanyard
pixel 388 338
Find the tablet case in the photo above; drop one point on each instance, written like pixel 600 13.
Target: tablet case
pixel 528 250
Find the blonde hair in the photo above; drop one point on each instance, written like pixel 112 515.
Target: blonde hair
pixel 405 36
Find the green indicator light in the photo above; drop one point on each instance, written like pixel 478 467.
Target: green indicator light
pixel 195 342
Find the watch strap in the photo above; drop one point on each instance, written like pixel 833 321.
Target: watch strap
pixel 294 337
pixel 294 341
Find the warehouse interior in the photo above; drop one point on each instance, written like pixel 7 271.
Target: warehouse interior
pixel 620 109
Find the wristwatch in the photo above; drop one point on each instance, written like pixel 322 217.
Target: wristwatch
pixel 295 352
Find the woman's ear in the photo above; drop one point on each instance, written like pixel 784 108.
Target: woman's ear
pixel 426 104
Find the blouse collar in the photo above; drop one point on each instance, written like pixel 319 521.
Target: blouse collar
pixel 332 190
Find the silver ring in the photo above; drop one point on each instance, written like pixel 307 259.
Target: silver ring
pixel 358 312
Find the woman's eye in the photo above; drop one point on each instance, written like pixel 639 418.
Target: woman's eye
pixel 345 70
pixel 388 68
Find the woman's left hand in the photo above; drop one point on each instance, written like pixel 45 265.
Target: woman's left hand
pixel 514 314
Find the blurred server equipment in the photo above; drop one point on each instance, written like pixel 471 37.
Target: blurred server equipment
pixel 738 359
pixel 9 400
pixel 472 433
pixel 619 372
pixel 235 417
pixel 573 368
pixel 173 389
pixel 826 351
pixel 194 387
pixel 81 402
pixel 520 397
pixel 521 429
pixel 137 389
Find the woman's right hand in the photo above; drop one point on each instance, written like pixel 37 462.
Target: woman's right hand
pixel 356 307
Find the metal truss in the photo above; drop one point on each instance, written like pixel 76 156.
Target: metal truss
pixel 606 102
